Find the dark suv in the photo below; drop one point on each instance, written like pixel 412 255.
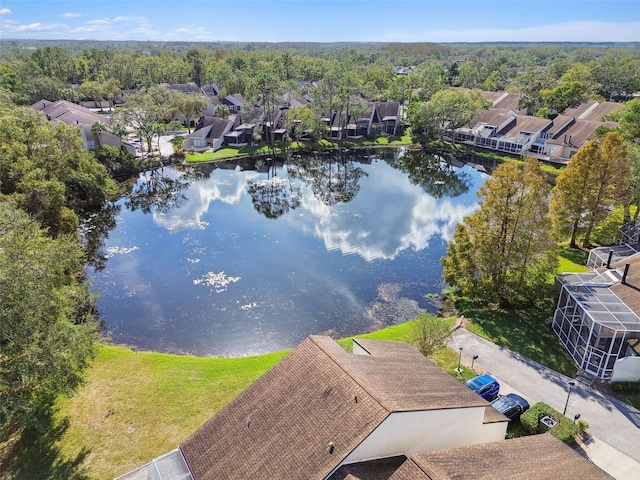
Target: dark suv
pixel 510 405
pixel 484 385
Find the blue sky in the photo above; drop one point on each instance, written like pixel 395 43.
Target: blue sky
pixel 323 20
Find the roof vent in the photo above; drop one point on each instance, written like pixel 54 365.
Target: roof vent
pixel 248 422
pixel 624 275
pixel 355 397
pixel 332 447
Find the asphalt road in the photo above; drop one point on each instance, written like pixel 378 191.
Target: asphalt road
pixel 610 421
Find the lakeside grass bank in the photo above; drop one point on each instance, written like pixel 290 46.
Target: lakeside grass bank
pixel 229 153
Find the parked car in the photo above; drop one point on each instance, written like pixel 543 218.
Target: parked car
pixel 484 385
pixel 510 405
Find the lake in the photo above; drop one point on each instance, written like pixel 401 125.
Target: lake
pixel 248 257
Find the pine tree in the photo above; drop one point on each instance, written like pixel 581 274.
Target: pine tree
pixel 505 251
pixel 596 180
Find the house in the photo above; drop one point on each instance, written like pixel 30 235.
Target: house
pixel 241 136
pixel 321 408
pixel 381 412
pixel 234 102
pixel 385 118
pixel 209 133
pixel 83 119
pixel 190 87
pixel 537 457
pixel 597 317
pixel 503 128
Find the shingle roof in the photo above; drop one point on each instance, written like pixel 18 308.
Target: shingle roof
pixel 509 101
pixel 493 116
pixel 596 114
pixel 403 380
pixel 579 108
pixel 380 469
pixel 536 457
pixel 306 404
pixel 69 113
pixel 527 124
pixel 304 416
pixel 629 292
pixel 579 133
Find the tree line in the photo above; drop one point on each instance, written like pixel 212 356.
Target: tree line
pixel 506 252
pixel 48 325
pixel 550 77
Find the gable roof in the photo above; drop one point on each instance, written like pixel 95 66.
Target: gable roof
pixel 190 87
pixel 579 108
pixel 69 113
pixel 579 133
pixel 536 457
pixel 595 114
pixel 383 111
pixel 305 415
pixel 508 101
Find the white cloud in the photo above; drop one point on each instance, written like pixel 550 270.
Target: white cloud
pixel 103 21
pixel 71 15
pixel 4 11
pixel 579 31
pixel 225 186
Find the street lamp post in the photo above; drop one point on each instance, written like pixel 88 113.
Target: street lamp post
pixel 571 385
pixel 459 370
pixel 473 359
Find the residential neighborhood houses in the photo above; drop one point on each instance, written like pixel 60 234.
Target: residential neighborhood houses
pixel 383 411
pixel 398 416
pixel 503 127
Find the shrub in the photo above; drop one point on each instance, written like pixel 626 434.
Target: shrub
pixel 429 332
pixel 566 429
pixel 632 387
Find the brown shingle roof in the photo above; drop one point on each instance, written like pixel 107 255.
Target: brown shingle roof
pixel 286 423
pixel 579 108
pixel 493 116
pixel 579 133
pixel 403 380
pixel 70 113
pixel 509 101
pixel 629 292
pixel 380 469
pixel 527 124
pixel 536 457
pixel 304 416
pixel 596 114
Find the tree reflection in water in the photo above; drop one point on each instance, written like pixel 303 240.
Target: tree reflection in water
pixel 158 191
pixel 435 174
pixel 273 196
pixel 333 179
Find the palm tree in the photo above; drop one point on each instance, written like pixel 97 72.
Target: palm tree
pixel 158 129
pixel 97 128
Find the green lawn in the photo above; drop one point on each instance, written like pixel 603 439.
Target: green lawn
pixel 571 260
pixel 227 153
pixel 136 406
pixel 523 331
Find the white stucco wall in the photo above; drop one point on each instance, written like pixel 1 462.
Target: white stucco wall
pixel 358 350
pixel 408 433
pixel 626 370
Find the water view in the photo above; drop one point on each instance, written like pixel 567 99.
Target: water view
pixel 248 257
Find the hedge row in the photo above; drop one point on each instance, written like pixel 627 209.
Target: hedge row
pixel 566 429
pixel 631 387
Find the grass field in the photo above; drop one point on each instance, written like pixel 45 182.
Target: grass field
pixel 136 406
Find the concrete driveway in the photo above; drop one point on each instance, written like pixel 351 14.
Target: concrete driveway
pixel 611 422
